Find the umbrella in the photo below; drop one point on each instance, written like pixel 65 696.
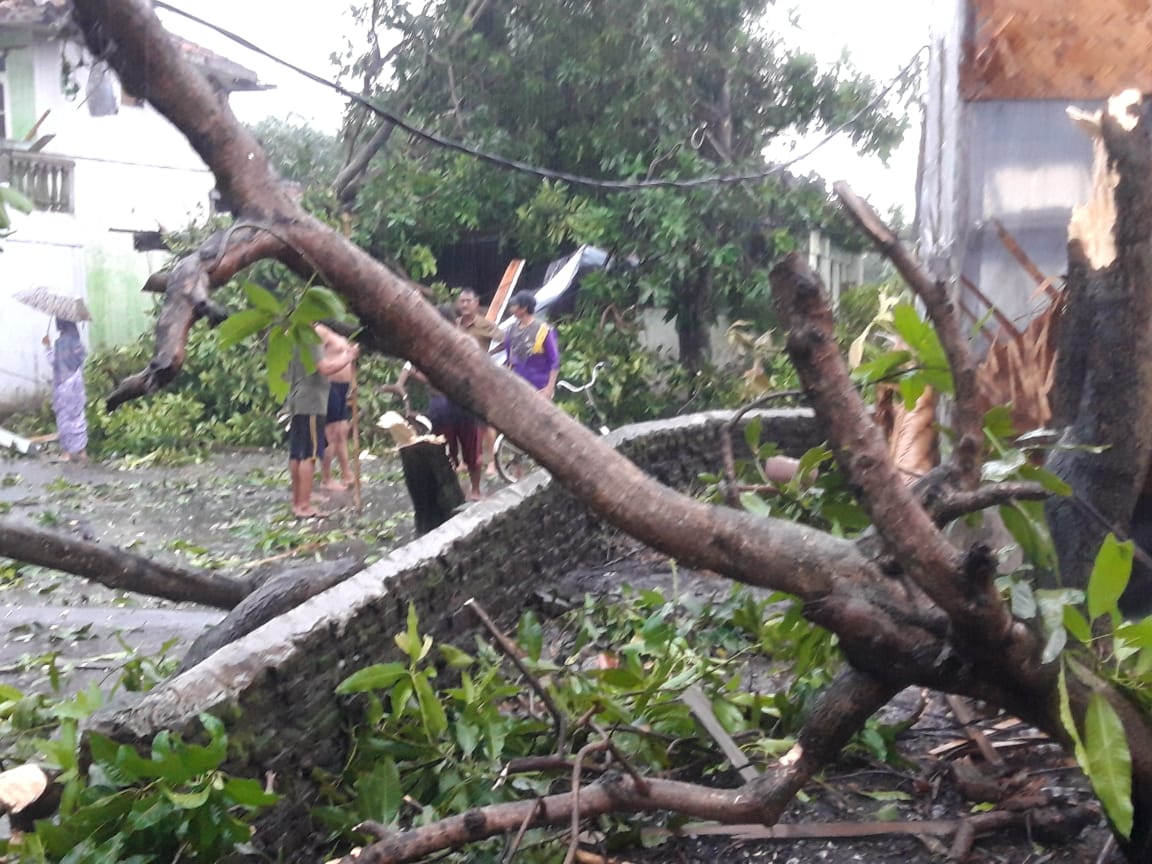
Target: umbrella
pixel 51 303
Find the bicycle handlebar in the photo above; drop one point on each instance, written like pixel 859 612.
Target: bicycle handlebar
pixel 572 388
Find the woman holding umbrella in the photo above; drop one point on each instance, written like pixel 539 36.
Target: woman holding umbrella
pixel 68 395
pixel 67 359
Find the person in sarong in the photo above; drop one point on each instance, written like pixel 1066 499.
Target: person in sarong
pixel 68 395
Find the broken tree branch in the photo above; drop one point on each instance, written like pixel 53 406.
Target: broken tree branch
pixel 967 419
pixel 117 568
pixel 513 653
pixel 951 504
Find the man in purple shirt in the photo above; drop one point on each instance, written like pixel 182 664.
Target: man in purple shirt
pixel 530 345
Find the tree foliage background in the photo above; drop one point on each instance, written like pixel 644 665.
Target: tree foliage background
pixel 659 90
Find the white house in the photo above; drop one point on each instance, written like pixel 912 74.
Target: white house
pixel 105 171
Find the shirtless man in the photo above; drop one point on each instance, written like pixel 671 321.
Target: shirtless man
pixel 337 426
pixel 308 404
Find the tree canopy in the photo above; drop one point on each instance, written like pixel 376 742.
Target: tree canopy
pixel 659 90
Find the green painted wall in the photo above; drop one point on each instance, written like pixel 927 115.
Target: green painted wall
pixel 21 93
pixel 120 310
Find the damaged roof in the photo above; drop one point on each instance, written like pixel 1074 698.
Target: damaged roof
pixel 53 18
pixel 225 74
pixel 44 16
pixel 1073 49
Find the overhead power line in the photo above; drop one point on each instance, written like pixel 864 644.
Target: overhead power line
pixel 548 173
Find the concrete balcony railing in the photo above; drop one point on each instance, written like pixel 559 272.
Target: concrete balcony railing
pixel 45 180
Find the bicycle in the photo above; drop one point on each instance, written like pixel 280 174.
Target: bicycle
pixel 512 462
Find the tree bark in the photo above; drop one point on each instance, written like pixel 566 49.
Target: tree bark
pixel 432 485
pixel 693 318
pixel 1103 386
pixel 117 568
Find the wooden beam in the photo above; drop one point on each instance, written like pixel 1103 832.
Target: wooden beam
pixel 1042 281
pixel 499 302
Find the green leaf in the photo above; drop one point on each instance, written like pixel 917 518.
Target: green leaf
pixel 188 800
pixel 885 794
pixel 755 505
pixel 379 794
pixel 317 303
pixel 279 358
pixel 1136 633
pixel 729 715
pixel 884 366
pixel 998 422
pixel 1067 719
pixel 240 325
pixel 1046 479
pixel 9 694
pixel 1109 577
pixel 261 298
pixel 1030 532
pixel 1077 625
pixel 752 434
pixel 454 657
pixel 246 792
pixel 1109 762
pixel 811 461
pixel 911 389
pixel 431 711
pixel 146 814
pixel 530 635
pixel 378 677
pixel 467 737
pixel 15 199
pixel 102 750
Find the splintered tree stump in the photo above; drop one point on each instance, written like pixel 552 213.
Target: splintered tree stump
pixel 432 483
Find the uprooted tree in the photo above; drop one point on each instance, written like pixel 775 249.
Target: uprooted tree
pixel 908 607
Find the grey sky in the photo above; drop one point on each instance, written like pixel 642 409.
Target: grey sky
pixel 880 39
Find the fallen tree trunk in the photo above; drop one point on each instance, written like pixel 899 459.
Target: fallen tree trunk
pixel 274 597
pixel 117 568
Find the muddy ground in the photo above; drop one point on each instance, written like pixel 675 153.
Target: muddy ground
pixel 231 511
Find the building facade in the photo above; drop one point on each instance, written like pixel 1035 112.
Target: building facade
pixel 105 172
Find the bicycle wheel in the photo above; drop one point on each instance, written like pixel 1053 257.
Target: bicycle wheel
pixel 512 463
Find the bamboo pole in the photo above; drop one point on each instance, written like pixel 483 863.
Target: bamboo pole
pixel 354 454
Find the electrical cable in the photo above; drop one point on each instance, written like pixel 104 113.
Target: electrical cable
pixel 548 173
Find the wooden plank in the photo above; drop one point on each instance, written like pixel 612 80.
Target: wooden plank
pixel 1043 283
pixel 699 705
pixel 965 717
pixel 1001 319
pixel 495 311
